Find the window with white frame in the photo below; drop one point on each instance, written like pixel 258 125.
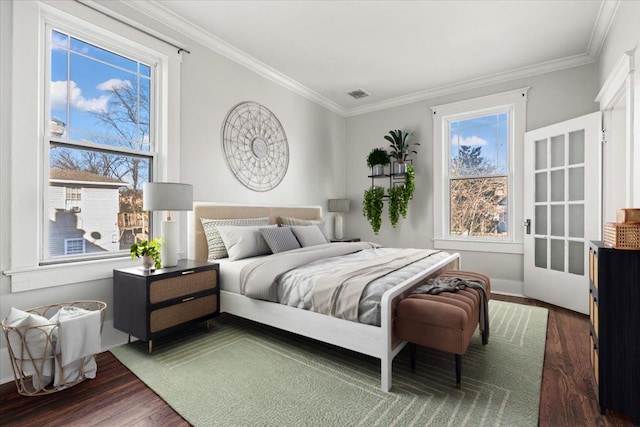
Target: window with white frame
pixel 72 59
pixel 478 173
pixel 100 146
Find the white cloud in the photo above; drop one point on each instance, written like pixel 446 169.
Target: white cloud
pixel 112 84
pixel 471 141
pixel 59 98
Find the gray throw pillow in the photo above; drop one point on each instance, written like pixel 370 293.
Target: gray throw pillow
pixel 309 235
pixel 280 239
pixel 244 241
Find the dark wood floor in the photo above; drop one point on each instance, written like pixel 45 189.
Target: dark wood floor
pixel 117 398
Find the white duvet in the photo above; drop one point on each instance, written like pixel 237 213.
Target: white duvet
pixel 295 288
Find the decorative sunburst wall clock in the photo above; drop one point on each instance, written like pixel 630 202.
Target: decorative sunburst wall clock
pixel 255 146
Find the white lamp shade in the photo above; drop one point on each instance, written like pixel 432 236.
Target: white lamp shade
pixel 339 205
pixel 167 196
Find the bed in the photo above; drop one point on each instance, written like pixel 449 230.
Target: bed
pixel 375 341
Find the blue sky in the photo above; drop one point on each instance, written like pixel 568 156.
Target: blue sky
pixel 81 77
pixel 488 132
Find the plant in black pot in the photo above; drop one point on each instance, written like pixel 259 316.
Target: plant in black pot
pixel 377 159
pixel 401 148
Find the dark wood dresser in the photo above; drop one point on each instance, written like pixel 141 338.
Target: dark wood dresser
pixel 614 309
pixel 149 304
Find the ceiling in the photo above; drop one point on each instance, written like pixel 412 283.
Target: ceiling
pixel 397 51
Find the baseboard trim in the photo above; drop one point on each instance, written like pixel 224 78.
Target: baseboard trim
pixel 507 287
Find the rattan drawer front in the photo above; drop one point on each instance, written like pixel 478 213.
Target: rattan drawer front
pixel 176 314
pixel 187 284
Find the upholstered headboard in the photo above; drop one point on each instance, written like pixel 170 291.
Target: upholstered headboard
pixel 197 242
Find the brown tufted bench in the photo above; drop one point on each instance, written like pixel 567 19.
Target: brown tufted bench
pixel 445 322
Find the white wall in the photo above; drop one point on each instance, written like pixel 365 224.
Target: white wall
pixel 553 97
pixel 624 36
pixel 210 86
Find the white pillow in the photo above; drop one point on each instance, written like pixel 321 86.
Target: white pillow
pixel 309 235
pixel 286 220
pixel 216 245
pixel 244 241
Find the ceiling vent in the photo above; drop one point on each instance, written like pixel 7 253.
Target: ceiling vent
pixel 358 93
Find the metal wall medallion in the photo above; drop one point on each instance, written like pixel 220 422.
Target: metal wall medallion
pixel 255 146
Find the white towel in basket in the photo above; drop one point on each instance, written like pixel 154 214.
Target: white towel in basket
pixel 35 357
pixel 78 339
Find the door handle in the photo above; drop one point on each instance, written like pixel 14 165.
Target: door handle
pixel 527 226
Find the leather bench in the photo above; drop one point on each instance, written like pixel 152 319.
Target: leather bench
pixel 445 321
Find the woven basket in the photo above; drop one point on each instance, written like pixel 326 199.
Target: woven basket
pixel 28 367
pixel 628 215
pixel 621 235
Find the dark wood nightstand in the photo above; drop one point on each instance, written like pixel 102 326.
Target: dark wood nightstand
pixel 149 304
pixel 346 239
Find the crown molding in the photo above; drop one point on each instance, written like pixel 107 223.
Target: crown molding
pixel 601 27
pixel 546 67
pixel 158 12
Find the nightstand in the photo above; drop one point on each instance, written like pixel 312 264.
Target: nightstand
pixel 149 304
pixel 351 239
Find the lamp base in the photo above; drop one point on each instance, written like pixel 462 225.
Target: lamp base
pixel 169 250
pixel 339 226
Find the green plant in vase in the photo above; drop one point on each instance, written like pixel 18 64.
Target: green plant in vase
pixel 401 145
pixel 378 157
pixel 372 207
pixel 148 249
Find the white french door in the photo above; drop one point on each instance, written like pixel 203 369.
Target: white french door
pixel 561 207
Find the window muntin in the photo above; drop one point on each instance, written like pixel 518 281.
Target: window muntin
pixel 100 142
pixel 478 175
pixel 74 246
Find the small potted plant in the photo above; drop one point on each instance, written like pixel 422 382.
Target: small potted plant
pixel 149 252
pixel 401 148
pixel 377 159
pixel 372 207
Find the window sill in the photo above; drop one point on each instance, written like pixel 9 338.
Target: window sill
pixel 47 276
pixel 479 246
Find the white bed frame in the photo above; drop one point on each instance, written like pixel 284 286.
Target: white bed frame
pixel 375 341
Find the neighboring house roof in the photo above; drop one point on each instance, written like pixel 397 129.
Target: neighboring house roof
pixel 72 176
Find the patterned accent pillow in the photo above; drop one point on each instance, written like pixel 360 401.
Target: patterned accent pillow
pixel 217 249
pixel 280 239
pixel 309 235
pixel 286 220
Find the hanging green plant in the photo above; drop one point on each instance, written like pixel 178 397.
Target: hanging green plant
pixel 372 207
pixel 396 203
pixel 400 195
pixel 409 187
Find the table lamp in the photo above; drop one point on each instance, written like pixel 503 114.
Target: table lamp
pixel 168 196
pixel 339 206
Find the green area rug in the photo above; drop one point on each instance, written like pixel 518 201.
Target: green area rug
pixel 245 374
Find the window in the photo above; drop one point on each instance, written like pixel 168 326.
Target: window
pixel 74 246
pixel 479 175
pixel 100 146
pixel 477 185
pixel 44 132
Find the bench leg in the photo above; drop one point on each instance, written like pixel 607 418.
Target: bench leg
pixel 485 337
pixel 412 356
pixel 458 369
